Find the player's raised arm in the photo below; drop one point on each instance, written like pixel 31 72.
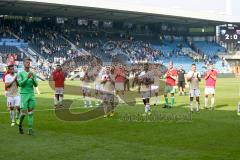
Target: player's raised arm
pixel 199 77
pixel 174 77
pixel 213 76
pixel 166 74
pixel 21 80
pixel 207 75
pixel 34 79
pixel 8 82
pixel 190 76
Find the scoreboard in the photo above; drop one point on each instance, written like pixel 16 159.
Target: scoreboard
pixel 230 34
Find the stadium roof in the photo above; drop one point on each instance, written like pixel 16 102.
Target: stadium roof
pixel 108 10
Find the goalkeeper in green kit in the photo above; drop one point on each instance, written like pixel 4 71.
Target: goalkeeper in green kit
pixel 27 81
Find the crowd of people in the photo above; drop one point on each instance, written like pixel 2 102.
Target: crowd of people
pixel 59 42
pixel 106 83
pixel 42 37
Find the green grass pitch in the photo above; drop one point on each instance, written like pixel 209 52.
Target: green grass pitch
pixel 208 136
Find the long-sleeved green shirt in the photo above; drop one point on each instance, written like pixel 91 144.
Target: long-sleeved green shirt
pixel 26 84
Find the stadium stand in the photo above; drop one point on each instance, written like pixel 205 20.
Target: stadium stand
pixel 58 43
pixel 209 48
pixel 41 37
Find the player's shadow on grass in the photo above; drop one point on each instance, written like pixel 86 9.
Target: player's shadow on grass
pixel 184 106
pixel 65 113
pixel 130 96
pixel 221 106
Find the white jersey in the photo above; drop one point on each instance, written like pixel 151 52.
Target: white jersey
pixel 13 90
pixel 99 77
pixel 132 75
pixel 145 75
pixel 86 79
pixel 194 82
pixel 108 86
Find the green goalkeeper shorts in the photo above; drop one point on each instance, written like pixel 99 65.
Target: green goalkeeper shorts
pixel 27 101
pixel 169 89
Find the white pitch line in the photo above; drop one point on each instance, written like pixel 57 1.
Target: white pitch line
pixel 43 110
pixel 52 109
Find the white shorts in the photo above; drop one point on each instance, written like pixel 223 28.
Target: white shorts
pixel 194 93
pixel 98 87
pixel 59 90
pixel 119 86
pixel 146 94
pixel 107 97
pixel 155 88
pixel 209 90
pixel 86 89
pixel 13 101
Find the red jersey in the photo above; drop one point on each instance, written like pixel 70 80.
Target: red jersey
pixel 210 82
pixel 59 78
pixel 169 80
pixel 119 78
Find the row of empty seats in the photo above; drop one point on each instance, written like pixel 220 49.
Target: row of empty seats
pixel 209 48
